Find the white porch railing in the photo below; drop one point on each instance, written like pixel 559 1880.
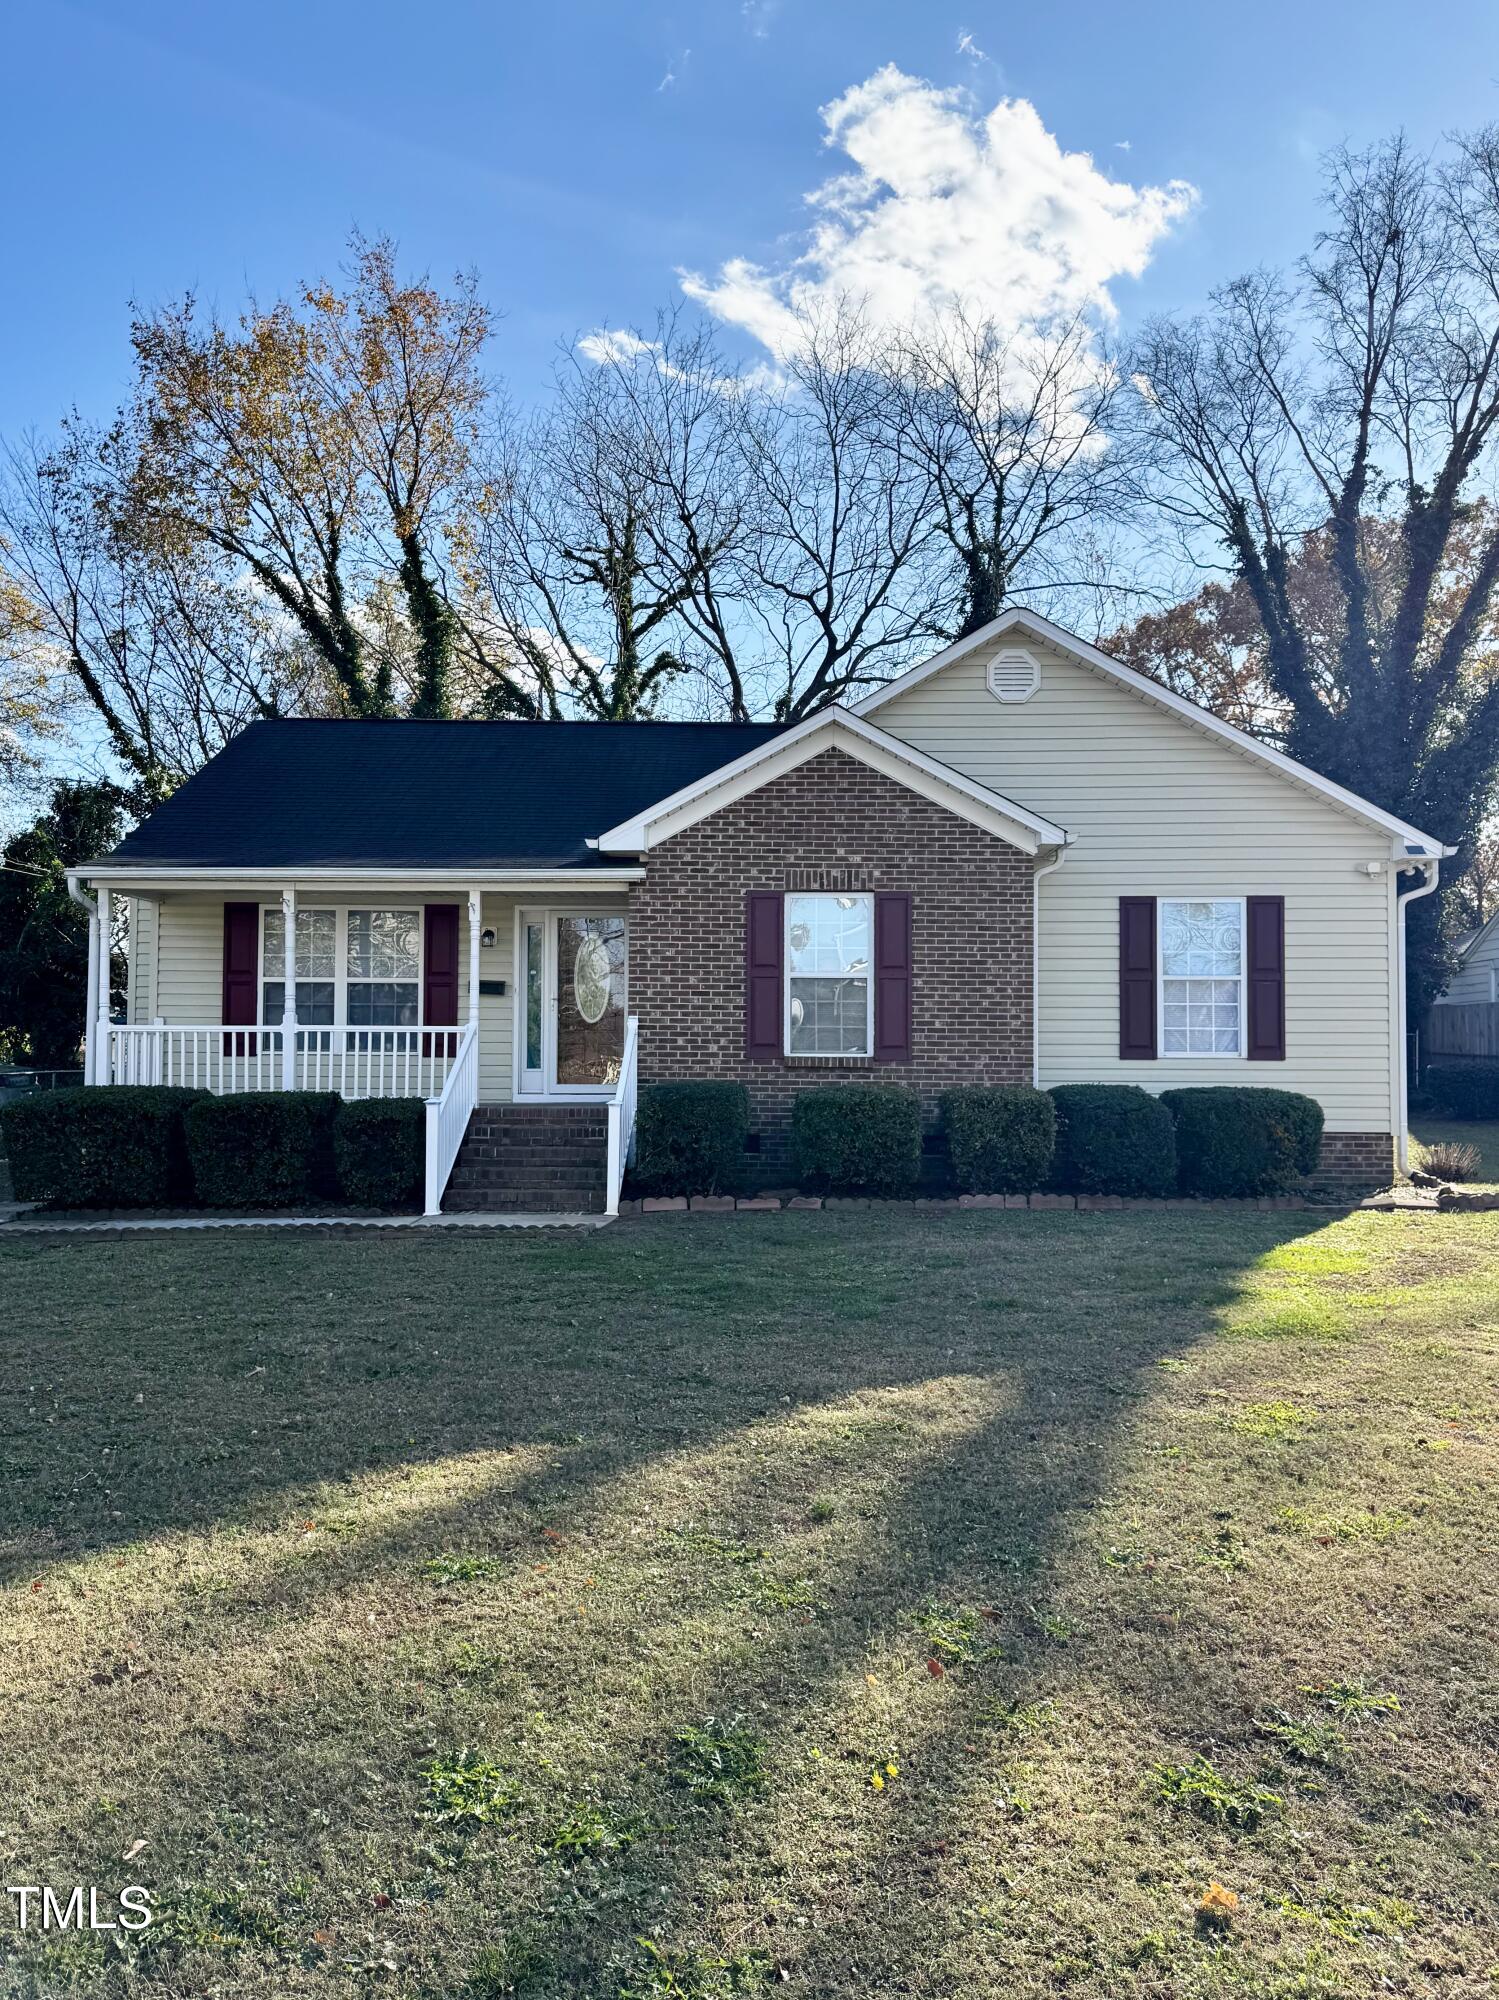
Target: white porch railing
pixel 355 1062
pixel 622 1117
pixel 448 1116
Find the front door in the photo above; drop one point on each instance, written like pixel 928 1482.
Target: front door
pixel 570 1002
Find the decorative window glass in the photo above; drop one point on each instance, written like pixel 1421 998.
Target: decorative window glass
pixel 533 995
pixel 1202 977
pixel 383 968
pixel 829 992
pixel 317 962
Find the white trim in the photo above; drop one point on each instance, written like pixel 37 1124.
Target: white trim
pixel 1433 874
pixel 550 1091
pixel 866 1054
pixel 1200 1055
pixel 1148 690
pixel 184 876
pixel 341 981
pixel 1036 873
pixel 840 729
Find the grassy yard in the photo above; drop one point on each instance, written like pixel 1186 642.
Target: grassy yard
pixel 1462 1132
pixel 829 1605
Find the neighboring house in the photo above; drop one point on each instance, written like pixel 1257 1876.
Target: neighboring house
pixel 1475 983
pixel 1020 861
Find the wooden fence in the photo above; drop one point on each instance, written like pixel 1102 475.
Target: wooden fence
pixel 1454 1032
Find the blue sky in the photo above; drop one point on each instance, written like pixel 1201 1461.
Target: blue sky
pixel 580 156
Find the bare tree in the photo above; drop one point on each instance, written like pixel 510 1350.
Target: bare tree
pixel 1356 401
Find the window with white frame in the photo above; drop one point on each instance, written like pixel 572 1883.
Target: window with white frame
pixel 829 989
pixel 361 966
pixel 1202 976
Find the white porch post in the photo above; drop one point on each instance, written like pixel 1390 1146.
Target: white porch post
pixel 91 1002
pixel 101 996
pixel 289 1005
pixel 474 907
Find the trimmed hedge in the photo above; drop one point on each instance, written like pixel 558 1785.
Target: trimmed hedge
pixel 689 1138
pixel 1234 1139
pixel 1000 1138
pixel 856 1138
pixel 271 1149
pixel 1113 1138
pixel 121 1147
pixel 380 1152
pixel 1465 1090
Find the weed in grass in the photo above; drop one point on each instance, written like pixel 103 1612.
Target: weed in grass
pixel 1388 1918
pixel 463 1569
pixel 470 1667
pixel 1354 1700
pixel 467 1788
pixel 1273 1420
pixel 212 1919
pixel 1307 1738
pixel 692 1975
pixel 1058 1629
pixel 1131 1556
pixel 1199 1787
pixel 719 1761
pixel 595 1827
pixel 715 1548
pixel 822 1510
pixel 1018 1718
pixel 507 1968
pixel 1225 1551
pixel 1379 1524
pixel 776 1593
pixel 1302 1317
pixel 958 1635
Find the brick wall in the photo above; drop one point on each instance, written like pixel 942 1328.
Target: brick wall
pixel 833 824
pixel 1354 1163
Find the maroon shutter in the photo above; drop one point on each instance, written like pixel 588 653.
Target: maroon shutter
pixel 764 925
pixel 1136 978
pixel 892 976
pixel 242 964
pixel 1265 928
pixel 440 968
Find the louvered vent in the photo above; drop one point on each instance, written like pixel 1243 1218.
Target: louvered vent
pixel 1014 674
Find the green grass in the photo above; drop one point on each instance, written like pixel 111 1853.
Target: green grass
pixel 835 1605
pixel 1463 1132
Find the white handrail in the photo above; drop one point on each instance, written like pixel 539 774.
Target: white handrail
pixel 353 1061
pixel 448 1117
pixel 622 1117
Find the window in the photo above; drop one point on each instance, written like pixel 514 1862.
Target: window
pixel 317 959
pixel 384 965
pixel 829 992
pixel 1202 977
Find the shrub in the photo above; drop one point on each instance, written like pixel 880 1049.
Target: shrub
pixel 1448 1160
pixel 856 1138
pixel 1465 1090
pixel 689 1138
pixel 1000 1140
pixel 1234 1139
pixel 114 1146
pixel 265 1150
pixel 1113 1138
pixel 380 1151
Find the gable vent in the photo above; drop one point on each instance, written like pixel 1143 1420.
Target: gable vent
pixel 1014 674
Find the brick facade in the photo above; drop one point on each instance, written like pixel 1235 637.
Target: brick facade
pixel 833 824
pixel 1354 1163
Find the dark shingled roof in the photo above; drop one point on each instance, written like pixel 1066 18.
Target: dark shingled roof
pixel 315 794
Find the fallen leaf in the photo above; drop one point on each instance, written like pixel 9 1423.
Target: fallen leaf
pixel 381 1901
pixel 936 1669
pixel 132 1850
pixel 1219 1906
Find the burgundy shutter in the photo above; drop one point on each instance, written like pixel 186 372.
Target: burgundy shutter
pixel 440 968
pixel 242 964
pixel 764 931
pixel 892 977
pixel 1136 978
pixel 1265 929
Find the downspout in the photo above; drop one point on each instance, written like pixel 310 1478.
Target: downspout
pixel 1036 874
pixel 91 1010
pixel 1433 868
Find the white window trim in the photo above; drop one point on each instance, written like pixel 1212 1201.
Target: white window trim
pixel 341 980
pixel 866 1054
pixel 1201 1055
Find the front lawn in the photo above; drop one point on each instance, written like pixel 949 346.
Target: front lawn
pixel 834 1605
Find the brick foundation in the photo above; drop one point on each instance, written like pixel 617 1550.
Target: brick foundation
pixel 833 824
pixel 1354 1163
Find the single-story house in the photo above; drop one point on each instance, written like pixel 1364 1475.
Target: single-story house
pixel 1020 861
pixel 1475 983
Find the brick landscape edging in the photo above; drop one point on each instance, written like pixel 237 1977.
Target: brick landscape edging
pixel 727 1204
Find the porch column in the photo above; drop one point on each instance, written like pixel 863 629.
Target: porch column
pixel 101 994
pixel 475 903
pixel 289 1006
pixel 91 1001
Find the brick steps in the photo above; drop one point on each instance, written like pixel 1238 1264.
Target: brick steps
pixel 517 1158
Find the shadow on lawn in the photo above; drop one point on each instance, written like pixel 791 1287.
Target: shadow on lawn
pixel 1005 1421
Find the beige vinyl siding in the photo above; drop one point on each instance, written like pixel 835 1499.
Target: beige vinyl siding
pixel 1158 808
pixel 1473 982
pixel 140 989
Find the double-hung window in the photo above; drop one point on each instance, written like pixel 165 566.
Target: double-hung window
pixel 1202 976
pixel 317 963
pixel 384 963
pixel 363 967
pixel 829 988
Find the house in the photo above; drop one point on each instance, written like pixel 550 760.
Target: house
pixel 1019 861
pixel 1475 983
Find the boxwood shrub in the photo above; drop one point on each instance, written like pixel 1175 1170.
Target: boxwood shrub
pixel 271 1149
pixel 1112 1138
pixel 117 1146
pixel 380 1152
pixel 689 1138
pixel 1000 1139
pixel 1234 1139
pixel 1465 1090
pixel 856 1138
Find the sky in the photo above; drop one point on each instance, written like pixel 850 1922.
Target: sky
pixel 595 162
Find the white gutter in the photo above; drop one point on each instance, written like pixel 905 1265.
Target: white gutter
pixel 1433 868
pixel 91 1001
pixel 126 877
pixel 1036 874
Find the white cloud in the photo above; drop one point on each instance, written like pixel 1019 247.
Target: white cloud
pixel 945 205
pixel 672 77
pixel 967 46
pixel 614 344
